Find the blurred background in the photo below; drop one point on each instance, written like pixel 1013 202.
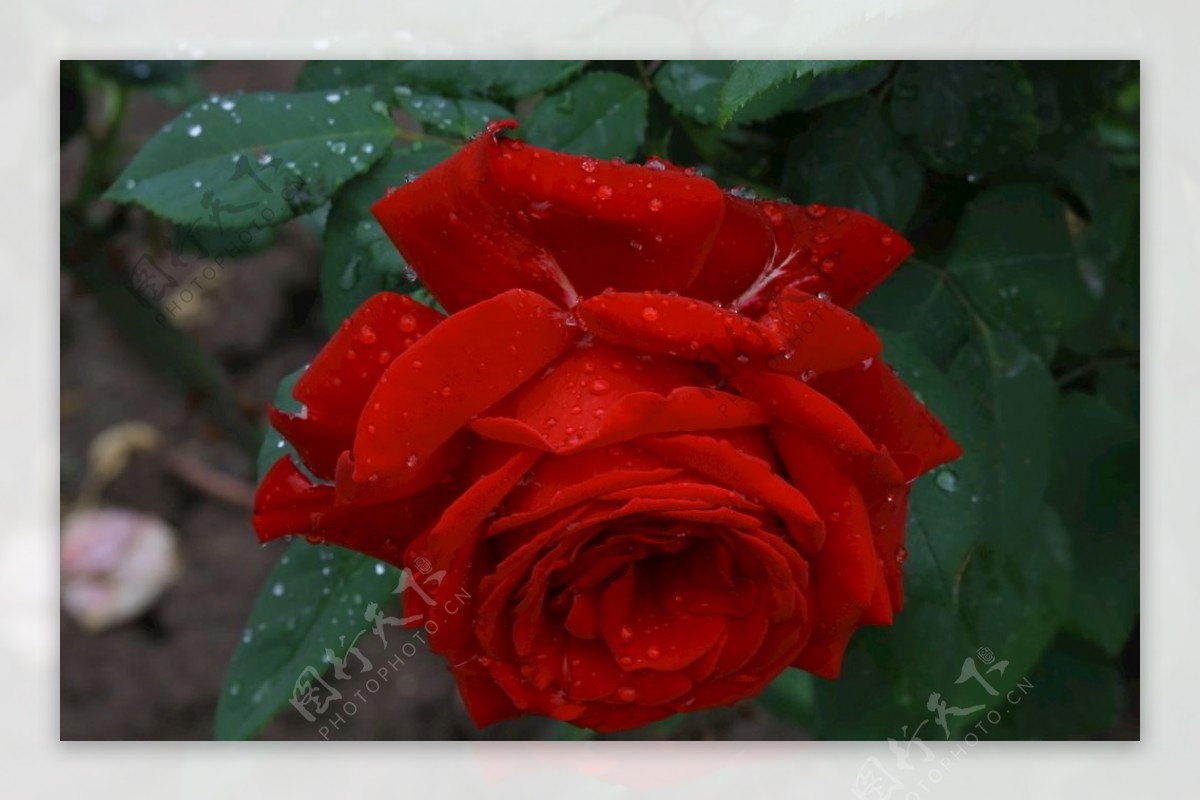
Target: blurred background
pixel 170 359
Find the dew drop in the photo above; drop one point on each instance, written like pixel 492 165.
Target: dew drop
pixel 901 555
pixel 600 386
pixel 604 192
pixel 277 590
pixel 649 314
pixel 332 97
pixel 655 204
pixel 947 480
pixel 816 210
pixel 411 461
pixel 379 569
pixel 627 694
pixel 588 165
pixel 626 633
pixel 366 335
pixel 195 131
pixel 408 323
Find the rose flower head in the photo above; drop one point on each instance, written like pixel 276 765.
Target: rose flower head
pixel 649 460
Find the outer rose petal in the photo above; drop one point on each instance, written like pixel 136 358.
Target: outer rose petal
pixel 502 214
pixel 818 335
pixel 887 410
pixel 430 392
pixel 335 387
pixel 289 503
pixel 815 248
pixel 677 326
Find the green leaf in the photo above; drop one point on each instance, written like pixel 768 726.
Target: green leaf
pixel 851 157
pixel 274 447
pixel 693 88
pixel 830 87
pixel 509 80
pixel 313 607
pixel 919 299
pixel 988 563
pixel 1095 488
pixel 462 118
pixel 1013 254
pixel 259 158
pixel 1120 386
pixel 1115 323
pixel 316 598
pixel 752 79
pixel 1075 692
pixel 965 117
pixel 603 114
pixel 357 258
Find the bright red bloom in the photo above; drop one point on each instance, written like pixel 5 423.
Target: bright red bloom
pixel 651 458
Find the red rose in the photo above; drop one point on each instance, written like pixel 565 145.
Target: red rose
pixel 650 458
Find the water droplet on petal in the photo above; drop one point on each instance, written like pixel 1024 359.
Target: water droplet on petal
pixel 655 204
pixel 366 335
pixel 816 210
pixel 411 461
pixel 604 192
pixel 649 314
pixel 627 694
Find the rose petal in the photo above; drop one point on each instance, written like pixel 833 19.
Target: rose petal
pixel 847 572
pixel 840 252
pixel 486 703
pixel 335 387
pixel 289 503
pixel 889 413
pixel 651 322
pixel 819 335
pixel 743 249
pixel 643 634
pixel 635 415
pixel 800 408
pixel 434 388
pixel 501 214
pixel 748 475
